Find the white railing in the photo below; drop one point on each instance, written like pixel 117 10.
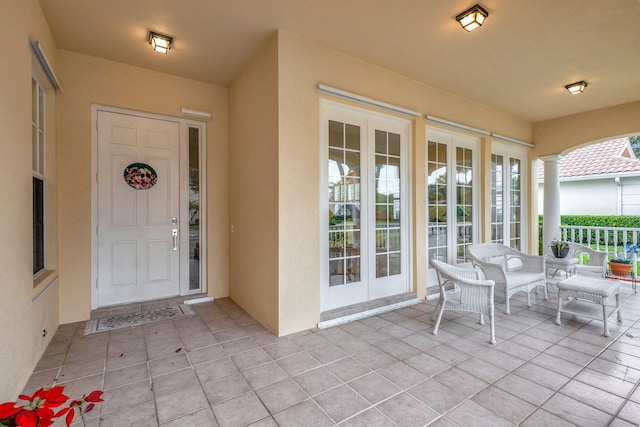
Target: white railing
pixel 610 239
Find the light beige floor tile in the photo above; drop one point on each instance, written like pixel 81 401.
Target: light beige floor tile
pixel 240 411
pixel 238 346
pixel 140 415
pixel 174 381
pixel 402 375
pixel 226 388
pixel 310 341
pixel 120 398
pixel 206 354
pixel 348 369
pixel 374 387
pixel 460 381
pixel 605 382
pixel 308 411
pixel 317 381
pixel 482 369
pixel 215 369
pixel 630 412
pixel 327 353
pixel 341 403
pixel 172 406
pixel 406 410
pixel 281 395
pixel 575 411
pixel 281 349
pixel 375 359
pixel 131 374
pixel 370 417
pixel 524 389
pixel 592 396
pixel 200 418
pixel 472 414
pixel 504 404
pixel 264 375
pixel 427 364
pixel 298 363
pixel 436 395
pixel 168 364
pixel 543 418
pixel 542 376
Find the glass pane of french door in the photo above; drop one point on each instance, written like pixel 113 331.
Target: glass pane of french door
pixel 464 202
pixel 344 203
pixel 387 185
pixel 515 199
pixel 497 197
pixel 437 182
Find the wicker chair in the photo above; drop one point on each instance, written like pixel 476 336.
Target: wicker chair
pixel 463 289
pixel 580 259
pixel 511 270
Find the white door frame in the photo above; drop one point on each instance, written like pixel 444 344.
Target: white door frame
pixel 364 289
pixel 185 124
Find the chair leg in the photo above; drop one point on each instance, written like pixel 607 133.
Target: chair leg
pixel 529 299
pixel 435 328
pixel 481 320
pixel 435 311
pixel 492 327
pixel 508 310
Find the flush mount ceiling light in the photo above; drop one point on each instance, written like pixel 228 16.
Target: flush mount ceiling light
pixel 576 88
pixel 160 42
pixel 472 18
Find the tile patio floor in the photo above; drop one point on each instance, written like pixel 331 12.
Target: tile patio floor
pixel 221 367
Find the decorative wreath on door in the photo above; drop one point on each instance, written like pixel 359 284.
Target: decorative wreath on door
pixel 140 176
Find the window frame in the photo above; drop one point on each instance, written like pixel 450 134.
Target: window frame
pixel 38 170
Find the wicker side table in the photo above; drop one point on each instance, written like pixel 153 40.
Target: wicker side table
pixel 584 292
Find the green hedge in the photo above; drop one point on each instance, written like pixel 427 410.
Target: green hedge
pixel 616 221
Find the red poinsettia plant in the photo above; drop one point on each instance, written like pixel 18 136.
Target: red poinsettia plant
pixel 39 411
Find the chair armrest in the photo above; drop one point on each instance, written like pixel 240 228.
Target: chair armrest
pixel 492 271
pixel 531 263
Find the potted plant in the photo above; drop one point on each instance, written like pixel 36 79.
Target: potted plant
pixel 620 266
pixel 560 248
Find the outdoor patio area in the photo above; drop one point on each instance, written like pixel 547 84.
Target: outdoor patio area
pixel 221 367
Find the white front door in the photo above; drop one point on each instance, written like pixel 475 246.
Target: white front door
pixel 138 221
pixel 365 206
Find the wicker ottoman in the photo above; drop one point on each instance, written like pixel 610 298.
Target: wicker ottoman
pixel 585 291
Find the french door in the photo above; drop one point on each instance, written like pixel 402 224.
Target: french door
pixel 508 198
pixel 365 206
pixel 452 195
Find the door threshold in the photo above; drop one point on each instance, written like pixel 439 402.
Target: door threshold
pixel 350 313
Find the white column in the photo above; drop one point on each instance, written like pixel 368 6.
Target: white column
pixel 551 211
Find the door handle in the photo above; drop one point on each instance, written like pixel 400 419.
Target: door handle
pixel 174 236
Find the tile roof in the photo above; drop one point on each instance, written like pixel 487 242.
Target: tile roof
pixel 603 158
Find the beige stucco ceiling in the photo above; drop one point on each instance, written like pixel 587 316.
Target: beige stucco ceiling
pixel 518 62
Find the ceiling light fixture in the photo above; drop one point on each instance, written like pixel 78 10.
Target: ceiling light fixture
pixel 576 88
pixel 472 18
pixel 160 42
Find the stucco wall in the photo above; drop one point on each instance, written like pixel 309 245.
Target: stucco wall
pixel 90 80
pixel 558 136
pixel 22 321
pixel 253 187
pixel 577 197
pixel 301 66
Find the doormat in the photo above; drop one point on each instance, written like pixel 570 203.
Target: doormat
pixel 135 319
